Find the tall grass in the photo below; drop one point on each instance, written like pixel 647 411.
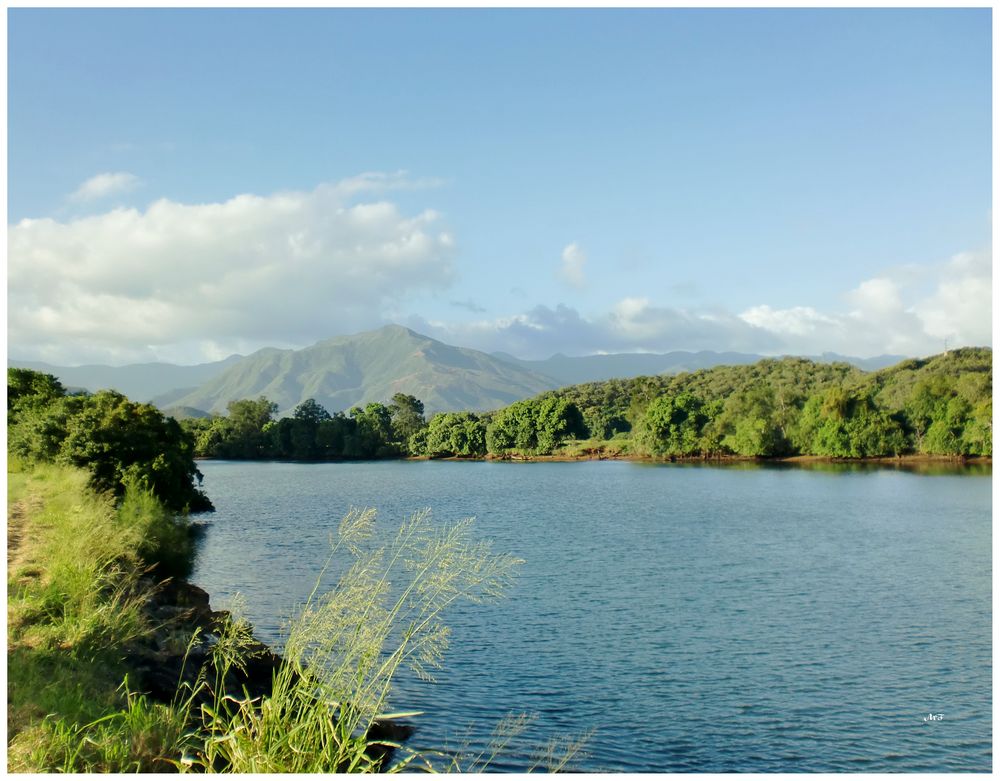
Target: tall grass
pixel 74 604
pixel 73 569
pixel 384 612
pixel 76 575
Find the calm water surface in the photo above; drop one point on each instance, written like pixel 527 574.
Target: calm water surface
pixel 696 618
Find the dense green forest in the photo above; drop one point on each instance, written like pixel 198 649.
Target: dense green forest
pixel 120 442
pixel 774 408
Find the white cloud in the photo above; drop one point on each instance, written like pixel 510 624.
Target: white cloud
pixel 631 325
pixel 894 316
pixel 961 307
pixel 883 315
pixel 573 261
pixel 797 321
pixel 879 296
pixel 104 185
pixel 288 268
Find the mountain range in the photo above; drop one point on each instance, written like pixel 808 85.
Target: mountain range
pixel 138 381
pixel 346 371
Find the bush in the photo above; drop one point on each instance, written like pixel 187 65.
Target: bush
pixel 117 440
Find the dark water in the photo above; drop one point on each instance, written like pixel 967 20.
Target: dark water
pixel 696 618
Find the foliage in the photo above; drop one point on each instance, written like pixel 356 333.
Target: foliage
pixel 940 406
pixel 675 425
pixel 453 434
pixel 384 613
pixel 74 603
pixel 311 432
pixel 28 389
pixel 243 433
pixel 849 425
pixel 117 440
pixel 374 431
pixel 536 426
pixel 776 407
pixel 752 422
pixel 407 415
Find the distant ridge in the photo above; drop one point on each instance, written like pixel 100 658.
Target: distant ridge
pixel 138 381
pixel 568 370
pixel 346 371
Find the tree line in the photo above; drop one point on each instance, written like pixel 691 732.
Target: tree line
pixel 250 430
pixel 792 406
pixel 938 406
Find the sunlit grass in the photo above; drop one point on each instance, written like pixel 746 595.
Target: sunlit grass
pixel 76 586
pixel 74 603
pixel 383 613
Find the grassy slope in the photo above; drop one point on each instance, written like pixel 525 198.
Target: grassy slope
pixel 73 607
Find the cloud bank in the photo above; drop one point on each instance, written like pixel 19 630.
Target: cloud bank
pixel 882 315
pixel 288 268
pixel 185 282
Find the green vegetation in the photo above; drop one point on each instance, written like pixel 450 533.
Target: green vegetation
pixel 75 564
pixel 86 566
pixel 345 647
pixel 935 406
pixel 250 431
pixel 119 441
pixel 773 408
pixel 77 588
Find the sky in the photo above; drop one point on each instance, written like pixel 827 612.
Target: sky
pixel 184 184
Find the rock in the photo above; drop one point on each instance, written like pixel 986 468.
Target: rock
pixel 163 662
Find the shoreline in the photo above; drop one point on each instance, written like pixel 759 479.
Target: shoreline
pixel 598 454
pixel 167 659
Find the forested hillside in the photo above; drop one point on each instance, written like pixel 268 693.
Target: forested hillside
pixel 774 408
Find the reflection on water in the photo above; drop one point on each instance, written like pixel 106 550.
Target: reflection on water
pixel 980 468
pixel 778 617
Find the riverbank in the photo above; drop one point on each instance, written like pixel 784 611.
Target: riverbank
pixel 76 613
pixel 115 662
pixel 611 454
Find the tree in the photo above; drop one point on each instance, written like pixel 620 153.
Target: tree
pixel 454 434
pixel 673 425
pixel 243 433
pixel 337 436
pixel 407 416
pixel 303 430
pixel 556 420
pixel 849 424
pixel 748 423
pixel 374 430
pixel 29 388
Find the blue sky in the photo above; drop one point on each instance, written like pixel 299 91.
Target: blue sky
pixel 183 184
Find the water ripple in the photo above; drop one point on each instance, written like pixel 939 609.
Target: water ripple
pixel 700 619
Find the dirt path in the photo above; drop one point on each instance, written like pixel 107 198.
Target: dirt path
pixel 17 518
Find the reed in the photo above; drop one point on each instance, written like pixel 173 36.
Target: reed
pixel 384 612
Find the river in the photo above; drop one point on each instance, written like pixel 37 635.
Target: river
pixel 694 618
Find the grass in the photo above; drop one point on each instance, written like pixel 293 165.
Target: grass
pixel 74 603
pixel 619 446
pixel 345 647
pixel 72 564
pixel 77 567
